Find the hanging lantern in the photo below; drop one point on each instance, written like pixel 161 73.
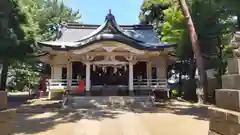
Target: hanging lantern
pixel 115 70
pixel 105 69
pixel 94 67
pixel 125 68
pixel 102 68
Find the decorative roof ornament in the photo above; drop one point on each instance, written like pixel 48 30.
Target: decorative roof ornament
pixel 110 16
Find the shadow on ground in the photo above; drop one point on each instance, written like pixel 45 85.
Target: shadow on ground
pixel 32 123
pixel 177 108
pixel 42 117
pixel 197 112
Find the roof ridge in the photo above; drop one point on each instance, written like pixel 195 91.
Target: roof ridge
pixel 85 24
pixel 95 26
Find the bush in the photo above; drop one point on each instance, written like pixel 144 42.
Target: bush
pixel 174 92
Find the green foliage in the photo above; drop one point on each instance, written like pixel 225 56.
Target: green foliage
pixel 214 25
pixel 22 22
pixel 173 25
pixel 174 92
pixel 233 7
pixel 15 36
pixel 22 74
pixel 211 21
pixel 151 11
pixel 51 14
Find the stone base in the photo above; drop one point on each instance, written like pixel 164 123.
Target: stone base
pixel 228 99
pixel 131 93
pixel 3 100
pixel 233 66
pixel 224 122
pixel 87 93
pixel 140 102
pixel 7 118
pixel 55 95
pixel 231 81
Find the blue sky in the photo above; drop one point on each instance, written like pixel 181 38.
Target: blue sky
pixel 94 11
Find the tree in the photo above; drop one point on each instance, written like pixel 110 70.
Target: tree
pixel 12 36
pixel 22 74
pixel 196 50
pixel 25 22
pixel 52 14
pixel 233 7
pixel 211 21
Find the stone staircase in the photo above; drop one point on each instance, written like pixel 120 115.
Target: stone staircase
pixel 225 118
pixel 114 102
pixel 236 44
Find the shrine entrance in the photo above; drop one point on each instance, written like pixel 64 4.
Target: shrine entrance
pixel 109 75
pixel 109 80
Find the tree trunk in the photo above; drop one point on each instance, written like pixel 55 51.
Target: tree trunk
pixel 192 68
pixel 220 70
pixel 196 50
pixel 3 82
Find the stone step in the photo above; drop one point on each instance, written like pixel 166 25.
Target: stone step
pixel 223 122
pixel 231 81
pixel 237 37
pixel 116 101
pixel 237 32
pixel 233 66
pixel 228 99
pixel 3 100
pixel 7 118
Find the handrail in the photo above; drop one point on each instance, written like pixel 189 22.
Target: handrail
pixel 138 83
pixel 151 79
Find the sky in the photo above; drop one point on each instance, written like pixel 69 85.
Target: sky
pixel 94 11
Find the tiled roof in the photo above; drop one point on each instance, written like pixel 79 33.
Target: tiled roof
pixel 74 35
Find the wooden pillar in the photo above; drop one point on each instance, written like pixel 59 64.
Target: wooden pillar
pixel 149 72
pixel 69 72
pixel 52 71
pixel 130 84
pixel 88 74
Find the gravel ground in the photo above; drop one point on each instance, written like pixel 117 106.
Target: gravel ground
pixel 176 118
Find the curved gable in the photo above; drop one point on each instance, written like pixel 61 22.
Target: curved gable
pixel 136 36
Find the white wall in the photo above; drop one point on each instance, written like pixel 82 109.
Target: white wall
pixel 160 62
pixel 58 62
pixel 57 72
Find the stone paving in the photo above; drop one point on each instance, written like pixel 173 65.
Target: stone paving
pixel 130 123
pixel 115 122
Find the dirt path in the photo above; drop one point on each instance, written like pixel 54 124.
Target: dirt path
pixel 175 119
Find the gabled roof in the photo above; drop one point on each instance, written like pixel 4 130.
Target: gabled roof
pixel 75 36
